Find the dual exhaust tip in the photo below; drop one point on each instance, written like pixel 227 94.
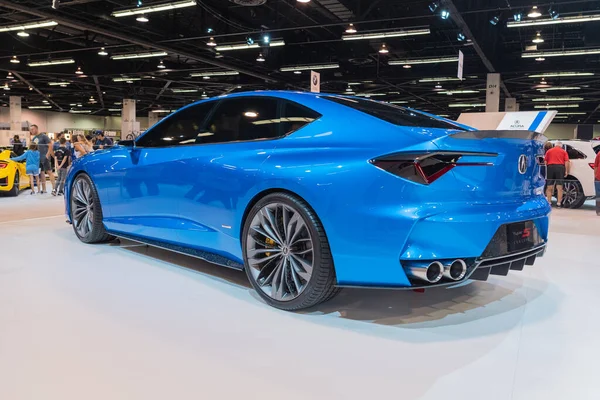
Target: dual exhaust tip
pixel 435 271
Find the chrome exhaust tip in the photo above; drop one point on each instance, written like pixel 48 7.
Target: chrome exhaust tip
pixel 455 271
pixel 431 273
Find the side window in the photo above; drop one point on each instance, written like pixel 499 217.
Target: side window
pixel 296 116
pixel 574 154
pixel 183 127
pixel 243 119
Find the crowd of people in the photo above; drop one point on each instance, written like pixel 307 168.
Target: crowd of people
pixel 45 155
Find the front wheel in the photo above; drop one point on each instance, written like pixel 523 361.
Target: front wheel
pixel 573 196
pixel 86 212
pixel 286 253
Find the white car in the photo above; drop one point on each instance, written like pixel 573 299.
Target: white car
pixel 579 185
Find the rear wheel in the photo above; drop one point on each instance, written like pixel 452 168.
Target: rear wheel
pixel 286 253
pixel 573 196
pixel 86 212
pixel 16 185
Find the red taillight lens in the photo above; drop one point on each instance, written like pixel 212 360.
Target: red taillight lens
pixel 420 168
pixel 425 168
pixel 592 165
pixel 3 165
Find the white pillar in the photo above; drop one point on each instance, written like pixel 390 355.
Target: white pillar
pixel 492 99
pixel 128 123
pixel 511 105
pixel 15 114
pixel 152 118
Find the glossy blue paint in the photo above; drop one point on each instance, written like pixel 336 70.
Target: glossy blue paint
pixel 196 195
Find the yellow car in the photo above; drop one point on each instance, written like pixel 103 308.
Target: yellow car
pixel 13 177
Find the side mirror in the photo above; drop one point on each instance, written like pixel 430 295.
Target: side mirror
pixel 127 143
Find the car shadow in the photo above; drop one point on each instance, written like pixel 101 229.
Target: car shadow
pixel 464 303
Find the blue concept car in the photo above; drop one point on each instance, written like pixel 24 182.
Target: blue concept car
pixel 312 192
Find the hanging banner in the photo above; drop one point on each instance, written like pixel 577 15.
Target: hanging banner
pixel 315 82
pixel 492 99
pixel 461 62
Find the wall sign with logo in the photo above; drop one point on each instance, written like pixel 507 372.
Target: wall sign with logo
pixel 537 121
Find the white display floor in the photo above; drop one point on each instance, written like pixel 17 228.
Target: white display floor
pixel 129 322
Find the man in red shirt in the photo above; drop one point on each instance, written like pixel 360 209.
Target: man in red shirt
pixel 557 169
pixel 597 182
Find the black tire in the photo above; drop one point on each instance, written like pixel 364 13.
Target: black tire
pixel 16 185
pixel 95 233
pixel 321 285
pixel 577 199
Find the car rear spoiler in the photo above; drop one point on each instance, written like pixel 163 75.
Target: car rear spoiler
pixel 525 135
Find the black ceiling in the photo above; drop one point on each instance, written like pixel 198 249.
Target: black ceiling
pixel 313 35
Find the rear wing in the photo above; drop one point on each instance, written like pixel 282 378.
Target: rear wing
pixel 524 135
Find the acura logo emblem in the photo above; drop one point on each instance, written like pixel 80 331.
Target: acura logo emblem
pixel 522 164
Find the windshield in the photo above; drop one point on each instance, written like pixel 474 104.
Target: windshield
pixel 394 114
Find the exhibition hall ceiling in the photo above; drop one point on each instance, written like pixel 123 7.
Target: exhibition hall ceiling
pixel 87 55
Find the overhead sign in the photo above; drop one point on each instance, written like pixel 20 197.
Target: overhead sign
pixel 492 99
pixel 461 61
pixel 315 82
pixel 511 104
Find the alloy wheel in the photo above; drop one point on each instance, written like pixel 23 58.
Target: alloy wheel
pixel 82 205
pixel 570 194
pixel 280 251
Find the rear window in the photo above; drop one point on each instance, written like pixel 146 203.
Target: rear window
pixel 393 114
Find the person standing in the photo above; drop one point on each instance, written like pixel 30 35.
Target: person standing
pixel 102 141
pixel 44 145
pixel 32 165
pixel 597 182
pixel 62 160
pixel 18 146
pixel 557 169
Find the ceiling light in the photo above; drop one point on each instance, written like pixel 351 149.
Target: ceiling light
pixel 161 65
pixel 125 79
pixel 39 107
pixel 114 109
pixel 540 59
pixel 184 90
pixel 560 74
pixel 260 58
pixel 553 14
pixel 550 21
pixel 518 16
pixel 102 52
pixel 559 99
pixel 142 18
pixel 298 72
pixel 572 113
pixel 79 71
pixel 204 95
pixel 438 86
pixel 561 53
pixel 413 61
pixel 383 49
pixel 538 38
pixel 156 8
pixel 443 79
pixel 351 29
pixel 451 92
pixel 460 37
pixel 349 89
pixel 80 111
pixel 434 6
pixel 10 75
pixel 558 106
pixel 211 42
pixel 494 20
pixel 245 46
pixel 251 114
pixel 23 34
pixel 407 66
pixel 214 73
pixel 58 83
pixel 163 111
pixel 33 25
pixel 138 55
pixel 399 102
pixel 303 1
pixel 266 39
pixel 371 94
pixel 561 88
pixel 382 35
pixel 6 87
pixel 445 14
pixel 206 77
pixel 466 105
pixel 534 13
pixel 309 67
pixel 14 60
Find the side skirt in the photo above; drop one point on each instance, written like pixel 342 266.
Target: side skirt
pixel 203 255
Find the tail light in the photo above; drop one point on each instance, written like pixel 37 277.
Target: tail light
pixel 425 168
pixel 3 165
pixel 592 165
